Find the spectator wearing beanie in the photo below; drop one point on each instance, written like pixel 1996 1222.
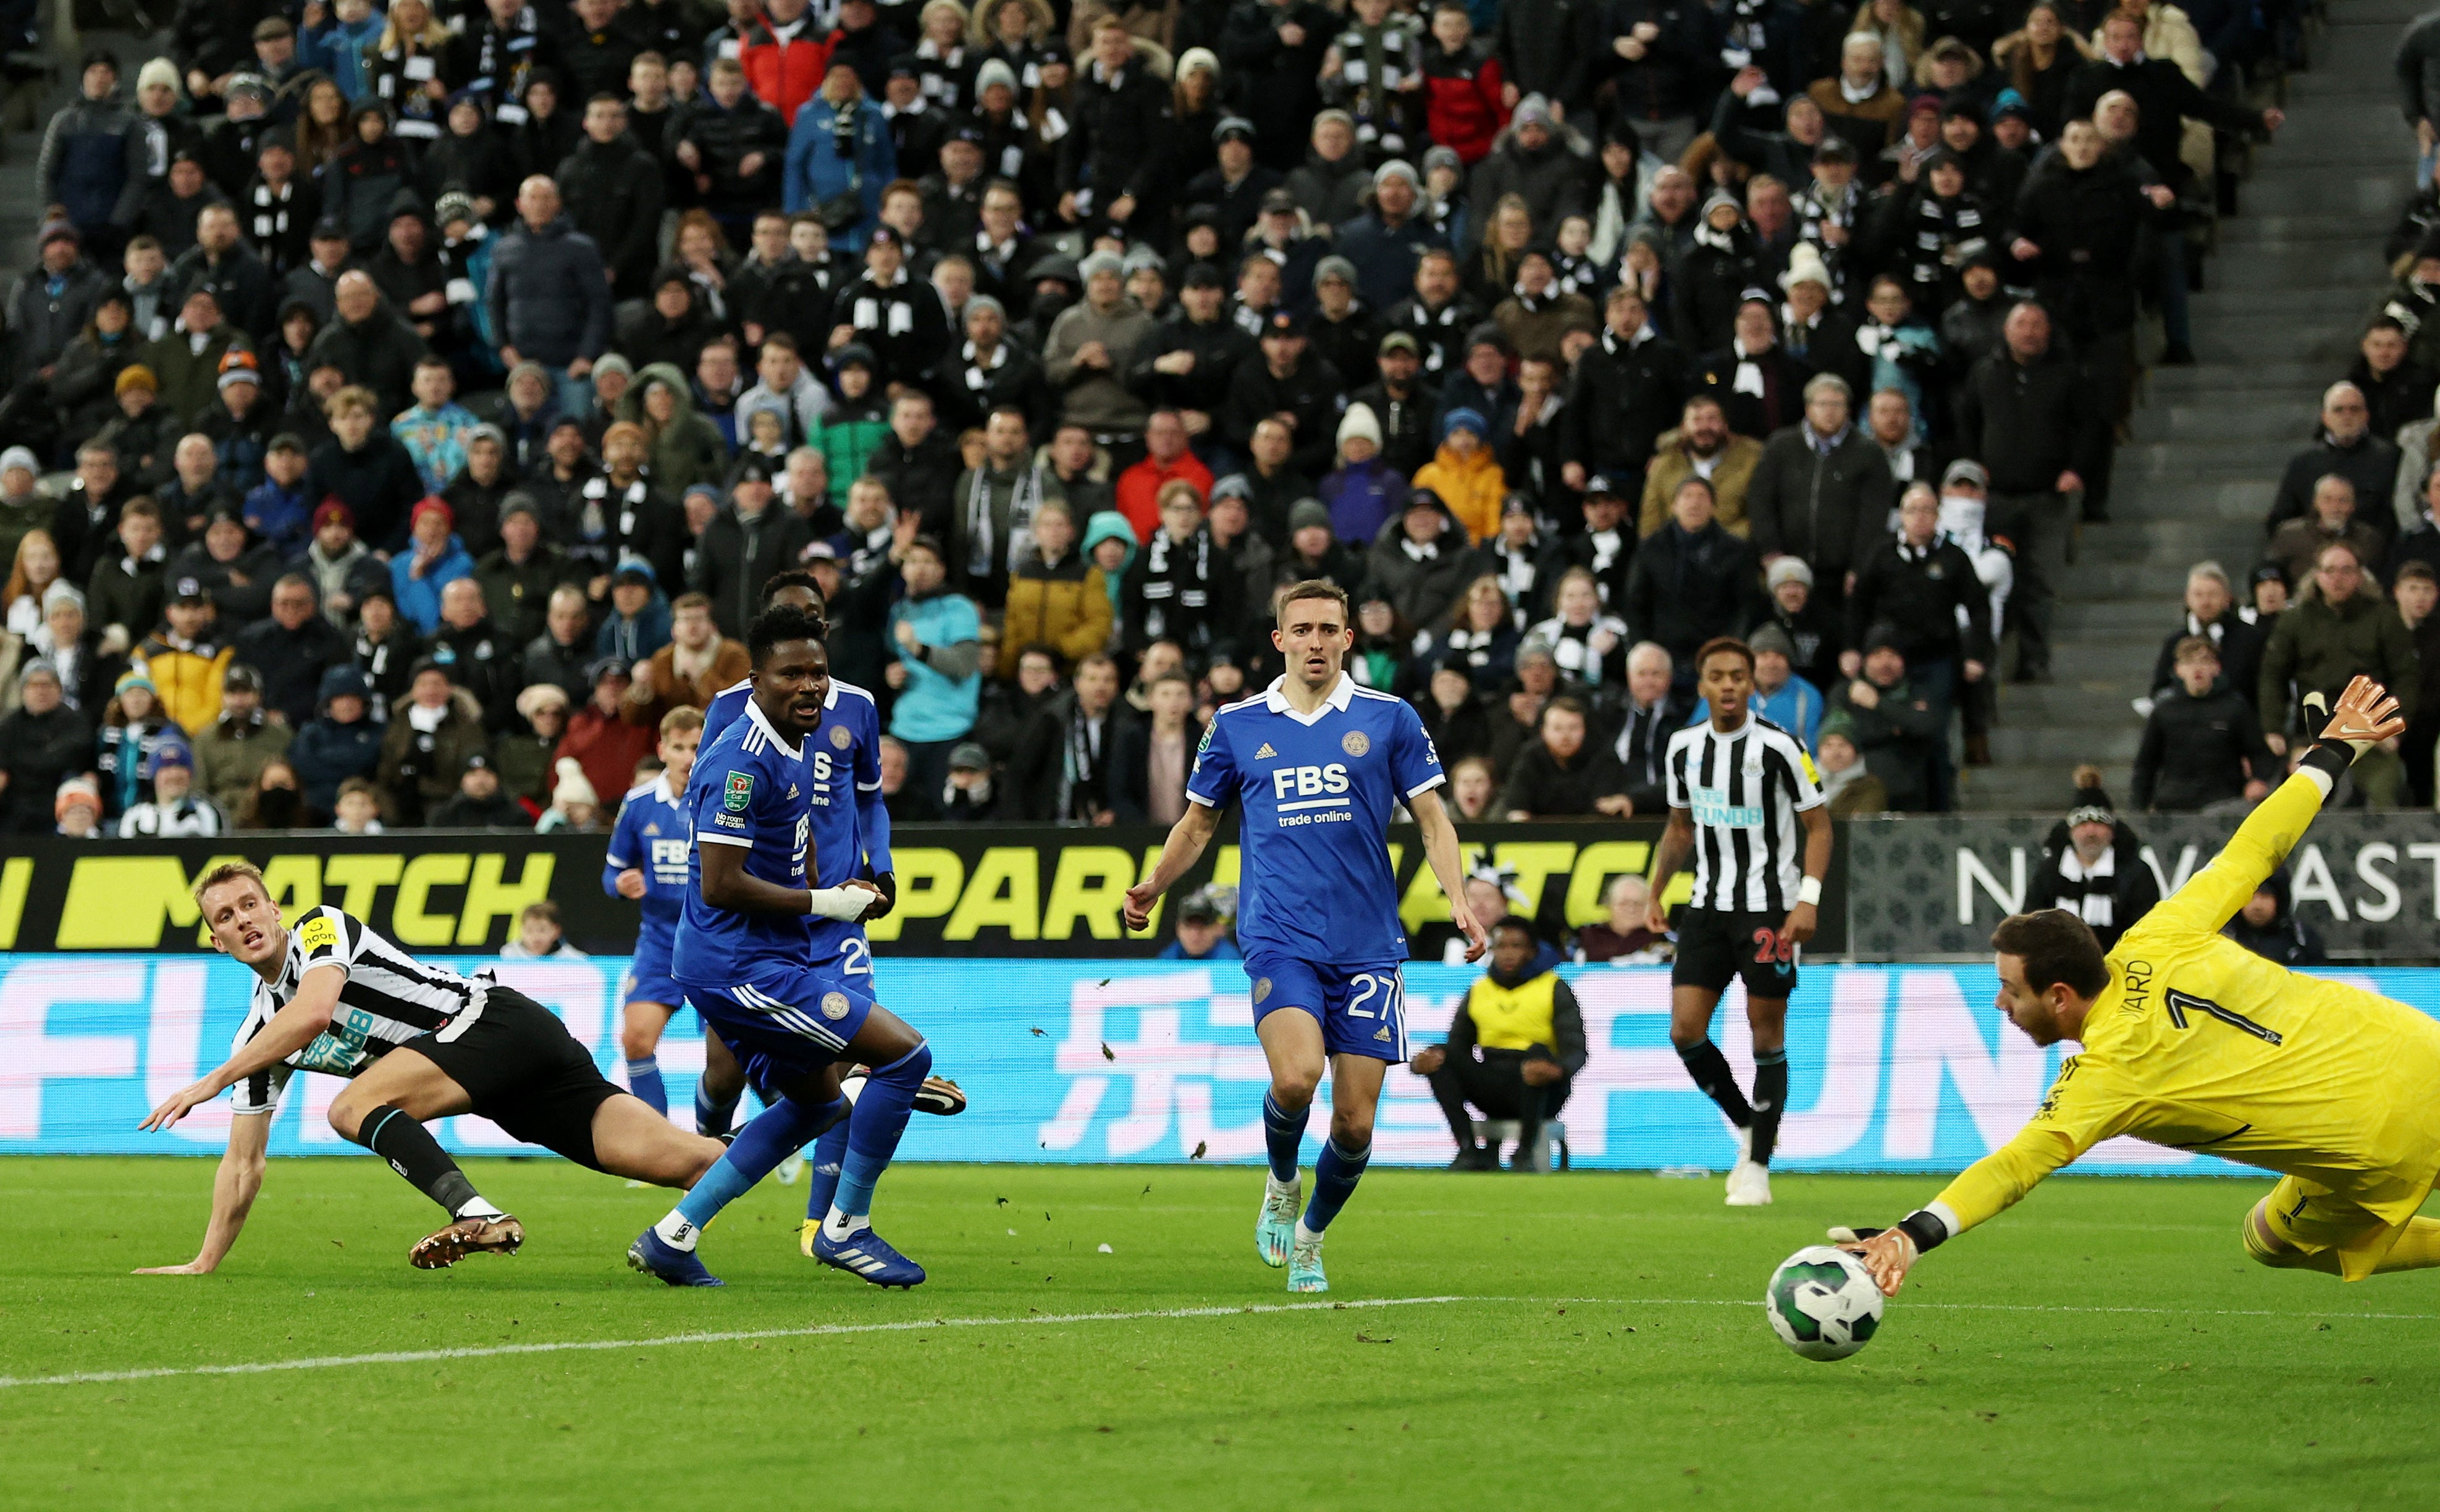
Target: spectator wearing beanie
pixel 2093 866
pixel 42 745
pixel 1363 492
pixel 341 741
pixel 435 559
pixel 1466 474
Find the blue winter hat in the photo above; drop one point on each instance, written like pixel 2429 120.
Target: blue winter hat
pixel 170 753
pixel 1464 418
pixel 344 683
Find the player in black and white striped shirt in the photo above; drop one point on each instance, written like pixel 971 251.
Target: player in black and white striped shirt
pixel 418 1042
pixel 1742 791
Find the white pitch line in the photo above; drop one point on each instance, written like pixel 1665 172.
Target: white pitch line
pixel 413 1356
pixel 1983 1307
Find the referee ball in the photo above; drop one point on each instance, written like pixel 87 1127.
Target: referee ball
pixel 1822 1303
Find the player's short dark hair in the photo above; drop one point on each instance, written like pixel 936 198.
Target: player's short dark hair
pixel 1318 588
pixel 1724 645
pixel 2055 946
pixel 781 581
pixel 774 626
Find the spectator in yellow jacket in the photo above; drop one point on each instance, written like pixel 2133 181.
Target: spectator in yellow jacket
pixel 186 658
pixel 1056 596
pixel 1466 475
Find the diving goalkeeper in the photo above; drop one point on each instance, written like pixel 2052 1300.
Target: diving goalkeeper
pixel 2191 1041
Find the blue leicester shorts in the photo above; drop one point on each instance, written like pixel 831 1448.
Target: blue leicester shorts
pixel 1362 1010
pixel 787 1023
pixel 647 976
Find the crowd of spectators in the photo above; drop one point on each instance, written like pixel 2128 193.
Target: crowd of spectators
pixel 2348 576
pixel 410 405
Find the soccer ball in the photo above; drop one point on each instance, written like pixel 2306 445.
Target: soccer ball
pixel 1822 1303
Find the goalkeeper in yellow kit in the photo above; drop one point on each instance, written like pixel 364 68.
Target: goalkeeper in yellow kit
pixel 2194 1042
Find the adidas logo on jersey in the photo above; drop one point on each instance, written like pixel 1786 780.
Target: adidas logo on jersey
pixel 1265 753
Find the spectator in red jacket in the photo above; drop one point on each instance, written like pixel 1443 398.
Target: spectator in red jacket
pixel 1462 106
pixel 604 744
pixel 786 56
pixel 1167 458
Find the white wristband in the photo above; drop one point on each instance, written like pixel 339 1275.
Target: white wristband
pixel 1809 890
pixel 846 905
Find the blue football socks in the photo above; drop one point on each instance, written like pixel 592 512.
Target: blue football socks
pixel 872 1130
pixel 775 1133
pixel 1284 1135
pixel 822 1169
pixel 1335 1174
pixel 712 1118
pixel 644 1080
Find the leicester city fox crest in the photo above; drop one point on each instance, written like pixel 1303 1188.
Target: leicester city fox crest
pixel 834 1005
pixel 1355 743
pixel 840 739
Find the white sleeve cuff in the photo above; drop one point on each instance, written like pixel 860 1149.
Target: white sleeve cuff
pixel 1947 1216
pixel 1427 785
pixel 701 839
pixel 2319 777
pixel 1193 797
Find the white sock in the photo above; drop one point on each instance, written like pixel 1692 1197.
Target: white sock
pixel 677 1231
pixel 837 1226
pixel 477 1208
pixel 1273 1186
pixel 1305 1235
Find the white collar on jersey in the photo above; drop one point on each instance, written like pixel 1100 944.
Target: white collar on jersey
pixel 670 796
pixel 1276 699
pixel 795 751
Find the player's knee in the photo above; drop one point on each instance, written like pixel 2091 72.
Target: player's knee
pixel 1292 1090
pixel 2263 1245
pixel 348 1114
pixel 639 1040
pixel 1351 1129
pixel 1688 1036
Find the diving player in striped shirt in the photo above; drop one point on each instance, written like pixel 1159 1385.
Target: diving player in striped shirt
pixel 418 1042
pixel 1320 765
pixel 743 956
pixel 1740 789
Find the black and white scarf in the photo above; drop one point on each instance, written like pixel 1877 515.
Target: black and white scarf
pixel 981 560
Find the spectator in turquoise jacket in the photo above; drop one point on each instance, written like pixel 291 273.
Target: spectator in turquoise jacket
pixel 937 639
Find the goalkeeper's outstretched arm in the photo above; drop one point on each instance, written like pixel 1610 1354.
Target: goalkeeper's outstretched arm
pixel 2364 716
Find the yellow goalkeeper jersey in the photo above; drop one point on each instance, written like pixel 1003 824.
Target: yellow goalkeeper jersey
pixel 2200 1044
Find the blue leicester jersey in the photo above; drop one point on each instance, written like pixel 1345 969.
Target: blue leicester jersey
pixel 652 837
pixel 1318 795
pixel 727 705
pixel 845 758
pixel 748 791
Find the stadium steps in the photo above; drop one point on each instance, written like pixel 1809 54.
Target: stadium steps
pixel 2289 276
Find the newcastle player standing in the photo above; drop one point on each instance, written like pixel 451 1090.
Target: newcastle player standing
pixel 1740 789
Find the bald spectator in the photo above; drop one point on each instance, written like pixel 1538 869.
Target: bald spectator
pixel 2341 631
pixel 369 342
pixel 550 294
pixel 2297 545
pixel 2347 447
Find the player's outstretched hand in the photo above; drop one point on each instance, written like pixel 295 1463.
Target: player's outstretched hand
pixel 177 1105
pixel 1478 939
pixel 1889 1255
pixel 2365 716
pixel 1142 899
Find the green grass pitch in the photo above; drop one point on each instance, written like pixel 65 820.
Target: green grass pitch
pixel 2106 1345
